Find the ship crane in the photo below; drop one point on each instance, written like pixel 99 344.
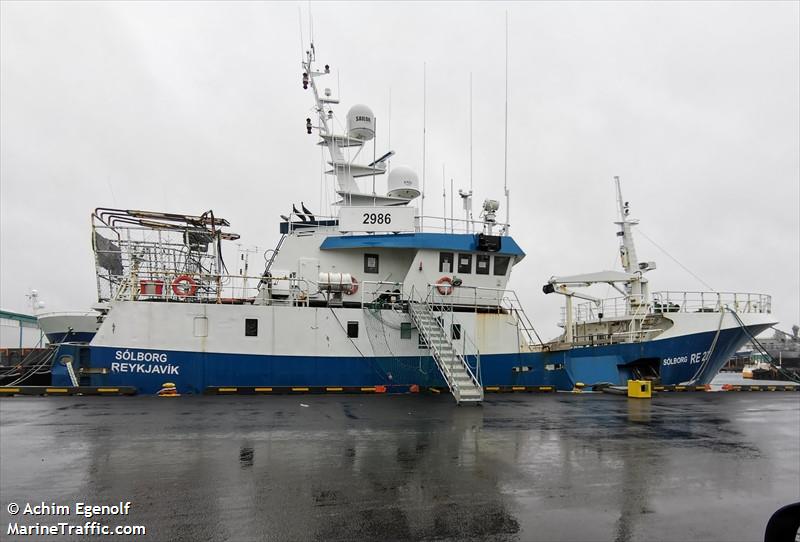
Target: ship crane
pixel 563 285
pixel 631 283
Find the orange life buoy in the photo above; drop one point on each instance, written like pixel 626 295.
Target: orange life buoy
pixel 444 286
pixel 184 286
pixel 353 288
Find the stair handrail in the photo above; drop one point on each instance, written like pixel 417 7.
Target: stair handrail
pixel 515 306
pixel 476 375
pixel 440 323
pixel 415 304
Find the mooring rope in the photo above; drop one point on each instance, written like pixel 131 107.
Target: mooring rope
pixel 704 365
pixel 763 351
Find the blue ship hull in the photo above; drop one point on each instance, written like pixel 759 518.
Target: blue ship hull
pixel 680 359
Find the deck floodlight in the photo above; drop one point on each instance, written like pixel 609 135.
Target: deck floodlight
pixel 490 206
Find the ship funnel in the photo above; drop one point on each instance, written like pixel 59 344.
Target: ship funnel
pixel 403 183
pixel 361 122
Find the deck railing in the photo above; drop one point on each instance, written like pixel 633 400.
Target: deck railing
pixel 740 302
pixel 673 301
pixel 172 286
pixel 428 223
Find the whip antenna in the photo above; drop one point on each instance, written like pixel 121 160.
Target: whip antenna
pixel 470 131
pixel 444 199
pixel 505 148
pixel 422 202
pixel 300 23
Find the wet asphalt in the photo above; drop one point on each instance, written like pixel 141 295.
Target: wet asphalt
pixel 694 466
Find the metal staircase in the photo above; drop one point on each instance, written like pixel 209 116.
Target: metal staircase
pixel 460 378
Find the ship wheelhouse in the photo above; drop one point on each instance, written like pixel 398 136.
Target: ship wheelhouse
pixel 464 269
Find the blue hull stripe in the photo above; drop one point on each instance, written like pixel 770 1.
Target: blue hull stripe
pixel 681 359
pixel 457 242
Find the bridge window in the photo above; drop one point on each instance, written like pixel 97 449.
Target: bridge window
pixel 405 330
pixel 465 263
pixel 445 262
pixel 482 264
pixel 352 329
pixel 501 265
pixel 370 263
pixel 250 327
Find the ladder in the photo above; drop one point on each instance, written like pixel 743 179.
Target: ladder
pixel 71 372
pixel 274 253
pixel 463 384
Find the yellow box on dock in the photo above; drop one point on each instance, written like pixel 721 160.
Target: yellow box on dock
pixel 640 389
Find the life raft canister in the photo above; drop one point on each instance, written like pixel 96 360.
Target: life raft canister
pixel 444 285
pixel 184 286
pixel 354 288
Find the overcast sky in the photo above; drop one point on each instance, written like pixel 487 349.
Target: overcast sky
pixel 188 106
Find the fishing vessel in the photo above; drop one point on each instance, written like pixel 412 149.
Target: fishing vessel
pixel 377 295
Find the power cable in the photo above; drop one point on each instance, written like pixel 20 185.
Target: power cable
pixel 659 247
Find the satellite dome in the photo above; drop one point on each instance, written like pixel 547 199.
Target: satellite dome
pixel 361 122
pixel 403 183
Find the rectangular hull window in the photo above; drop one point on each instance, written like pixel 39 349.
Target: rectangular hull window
pixel 250 327
pixel 370 263
pixel 405 330
pixel 352 329
pixel 456 332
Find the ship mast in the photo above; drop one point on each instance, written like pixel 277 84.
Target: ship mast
pixel 637 289
pixel 360 129
pixel 627 248
pixel 344 177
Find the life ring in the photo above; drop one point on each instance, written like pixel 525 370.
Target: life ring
pixel 353 286
pixel 184 286
pixel 444 286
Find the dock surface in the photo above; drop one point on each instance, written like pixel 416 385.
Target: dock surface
pixel 704 466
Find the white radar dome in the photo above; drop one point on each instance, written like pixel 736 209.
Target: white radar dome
pixel 361 122
pixel 403 183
